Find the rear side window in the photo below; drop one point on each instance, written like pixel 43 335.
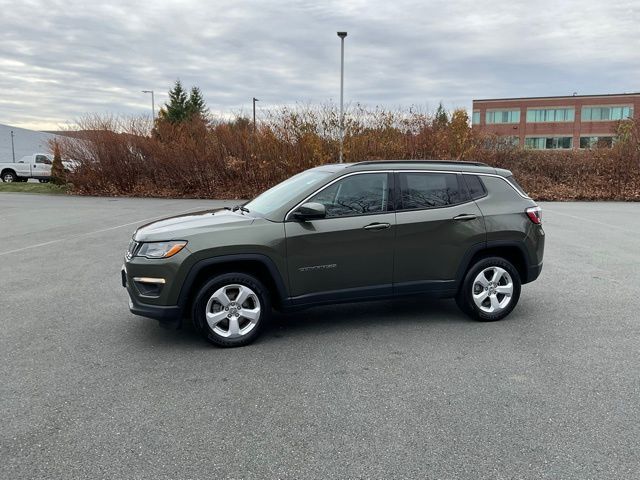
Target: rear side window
pixel 430 190
pixel 517 186
pixel 475 186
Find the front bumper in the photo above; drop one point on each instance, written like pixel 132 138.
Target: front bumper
pixel 166 314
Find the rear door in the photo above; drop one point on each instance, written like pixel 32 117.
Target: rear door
pixel 437 223
pixel 350 252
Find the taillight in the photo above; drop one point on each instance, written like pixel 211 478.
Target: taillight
pixel 535 214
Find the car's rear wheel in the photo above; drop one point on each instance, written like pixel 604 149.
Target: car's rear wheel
pixel 231 309
pixel 490 290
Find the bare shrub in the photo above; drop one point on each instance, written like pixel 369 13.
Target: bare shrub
pixel 228 159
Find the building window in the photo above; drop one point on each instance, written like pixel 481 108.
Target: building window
pixel 548 143
pixel 596 142
pixel 599 114
pixel 502 116
pixel 550 115
pixel 509 141
pixel 475 119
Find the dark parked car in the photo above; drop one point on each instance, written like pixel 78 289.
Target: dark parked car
pixel 341 233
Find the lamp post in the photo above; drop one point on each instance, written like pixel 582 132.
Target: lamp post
pixel 254 113
pixel 153 104
pixel 13 150
pixel 342 36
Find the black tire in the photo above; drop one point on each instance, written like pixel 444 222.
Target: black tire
pixel 259 293
pixel 9 176
pixel 465 299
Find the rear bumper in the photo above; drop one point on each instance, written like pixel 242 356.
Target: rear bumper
pixel 533 272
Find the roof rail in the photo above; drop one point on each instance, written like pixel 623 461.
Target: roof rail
pixel 438 162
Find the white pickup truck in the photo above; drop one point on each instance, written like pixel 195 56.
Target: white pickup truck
pixel 36 166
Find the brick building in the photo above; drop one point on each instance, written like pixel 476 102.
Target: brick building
pixel 578 121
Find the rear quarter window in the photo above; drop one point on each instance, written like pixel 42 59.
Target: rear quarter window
pixel 516 185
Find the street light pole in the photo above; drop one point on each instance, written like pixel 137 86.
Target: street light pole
pixel 342 35
pixel 13 150
pixel 254 113
pixel 153 104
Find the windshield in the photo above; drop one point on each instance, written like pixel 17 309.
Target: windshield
pixel 284 192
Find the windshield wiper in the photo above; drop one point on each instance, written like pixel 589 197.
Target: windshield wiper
pixel 241 208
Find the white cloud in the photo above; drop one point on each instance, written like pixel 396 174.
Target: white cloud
pixel 62 59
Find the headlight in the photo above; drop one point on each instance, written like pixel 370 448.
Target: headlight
pixel 160 249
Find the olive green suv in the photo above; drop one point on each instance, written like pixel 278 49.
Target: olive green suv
pixel 341 233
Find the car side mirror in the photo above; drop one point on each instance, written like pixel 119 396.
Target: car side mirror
pixel 310 211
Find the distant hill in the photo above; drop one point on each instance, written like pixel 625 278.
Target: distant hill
pixel 26 142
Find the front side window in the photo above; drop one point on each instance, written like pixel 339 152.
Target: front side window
pixel 502 116
pixel 360 194
pixel 42 159
pixel 430 190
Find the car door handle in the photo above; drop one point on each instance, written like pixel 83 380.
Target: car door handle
pixel 377 226
pixel 465 216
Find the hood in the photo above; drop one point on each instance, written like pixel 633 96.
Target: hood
pixel 181 226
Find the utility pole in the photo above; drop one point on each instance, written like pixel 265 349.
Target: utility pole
pixel 342 35
pixel 254 113
pixel 153 105
pixel 13 150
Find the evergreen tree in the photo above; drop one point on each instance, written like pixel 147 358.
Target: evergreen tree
pixel 441 119
pixel 58 175
pixel 176 110
pixel 196 104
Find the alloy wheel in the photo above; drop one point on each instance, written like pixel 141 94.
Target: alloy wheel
pixel 233 311
pixel 492 289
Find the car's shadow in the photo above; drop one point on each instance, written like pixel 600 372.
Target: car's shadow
pixel 362 317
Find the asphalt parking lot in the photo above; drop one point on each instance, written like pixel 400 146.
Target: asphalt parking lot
pixel 402 389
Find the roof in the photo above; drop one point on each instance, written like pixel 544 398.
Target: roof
pixel 603 95
pixel 25 142
pixel 423 165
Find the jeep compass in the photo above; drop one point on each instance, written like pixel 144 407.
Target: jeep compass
pixel 341 233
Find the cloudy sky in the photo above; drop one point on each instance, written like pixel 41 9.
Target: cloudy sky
pixel 60 60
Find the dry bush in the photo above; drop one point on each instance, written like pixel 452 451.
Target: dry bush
pixel 228 159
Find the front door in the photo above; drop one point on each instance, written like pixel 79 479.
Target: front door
pixel 350 252
pixel 437 223
pixel 41 167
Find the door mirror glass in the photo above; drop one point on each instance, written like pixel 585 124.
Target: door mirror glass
pixel 310 211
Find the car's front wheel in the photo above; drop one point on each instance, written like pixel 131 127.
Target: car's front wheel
pixel 490 290
pixel 231 309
